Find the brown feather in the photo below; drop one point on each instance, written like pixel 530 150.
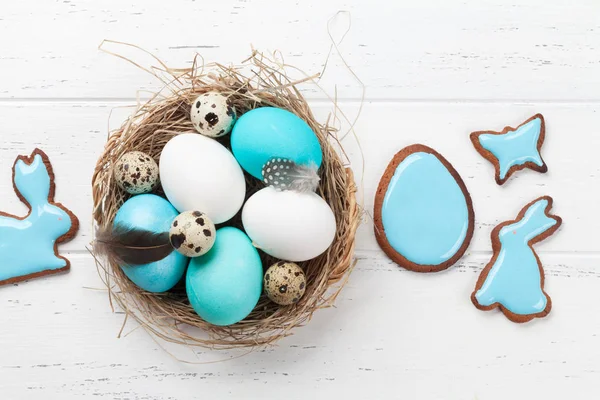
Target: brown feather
pixel 128 246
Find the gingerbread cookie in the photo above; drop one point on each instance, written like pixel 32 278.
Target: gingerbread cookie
pixel 514 278
pixel 28 245
pixel 423 213
pixel 513 149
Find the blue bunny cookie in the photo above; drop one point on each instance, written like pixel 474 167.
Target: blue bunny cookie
pixel 28 245
pixel 514 278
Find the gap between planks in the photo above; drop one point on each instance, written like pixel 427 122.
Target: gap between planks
pixel 317 101
pixel 371 254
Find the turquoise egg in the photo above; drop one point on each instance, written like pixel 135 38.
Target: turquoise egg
pixel 426 213
pixel 225 284
pixel 155 214
pixel 268 132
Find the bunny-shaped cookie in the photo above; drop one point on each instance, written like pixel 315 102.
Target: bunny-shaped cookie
pixel 514 278
pixel 28 245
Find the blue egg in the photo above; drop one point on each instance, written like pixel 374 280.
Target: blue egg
pixel 268 132
pixel 224 285
pixel 155 214
pixel 426 213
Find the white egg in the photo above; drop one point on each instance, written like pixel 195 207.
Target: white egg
pixel 289 225
pixel 212 114
pixel 198 173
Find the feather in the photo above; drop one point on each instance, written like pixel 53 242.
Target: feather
pixel 128 246
pixel 284 174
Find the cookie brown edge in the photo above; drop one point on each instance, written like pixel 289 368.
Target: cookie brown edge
pixel 64 238
pixel 380 194
pixel 492 159
pixel 496 246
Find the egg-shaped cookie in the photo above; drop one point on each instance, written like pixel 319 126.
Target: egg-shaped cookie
pixel 423 214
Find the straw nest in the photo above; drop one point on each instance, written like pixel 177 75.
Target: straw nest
pixel 255 83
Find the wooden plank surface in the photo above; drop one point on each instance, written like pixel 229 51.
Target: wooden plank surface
pixel 434 71
pixel 573 165
pixel 393 334
pixel 468 49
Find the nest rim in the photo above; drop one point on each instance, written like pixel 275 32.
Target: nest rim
pixel 169 315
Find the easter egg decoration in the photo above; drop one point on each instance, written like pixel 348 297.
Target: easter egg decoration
pixel 289 225
pixel 285 283
pixel 284 174
pixel 136 173
pixel 192 233
pixel 138 241
pixel 198 173
pixel 423 215
pixel 212 114
pixel 263 133
pixel 224 285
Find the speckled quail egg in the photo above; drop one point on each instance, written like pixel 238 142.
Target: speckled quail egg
pixel 213 114
pixel 136 173
pixel 192 233
pixel 284 283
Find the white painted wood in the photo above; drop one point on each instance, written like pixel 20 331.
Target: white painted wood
pixel 435 71
pixel 424 49
pixel 571 180
pixel 393 334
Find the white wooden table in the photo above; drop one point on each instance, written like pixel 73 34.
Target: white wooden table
pixel 435 70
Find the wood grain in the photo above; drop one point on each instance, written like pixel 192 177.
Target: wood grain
pixel 573 168
pixel 428 49
pixel 434 71
pixel 391 333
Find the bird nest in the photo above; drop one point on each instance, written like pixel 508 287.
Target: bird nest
pixel 257 82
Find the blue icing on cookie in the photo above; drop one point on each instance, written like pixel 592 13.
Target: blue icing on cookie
pixel 515 147
pixel 425 213
pixel 515 277
pixel 27 246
